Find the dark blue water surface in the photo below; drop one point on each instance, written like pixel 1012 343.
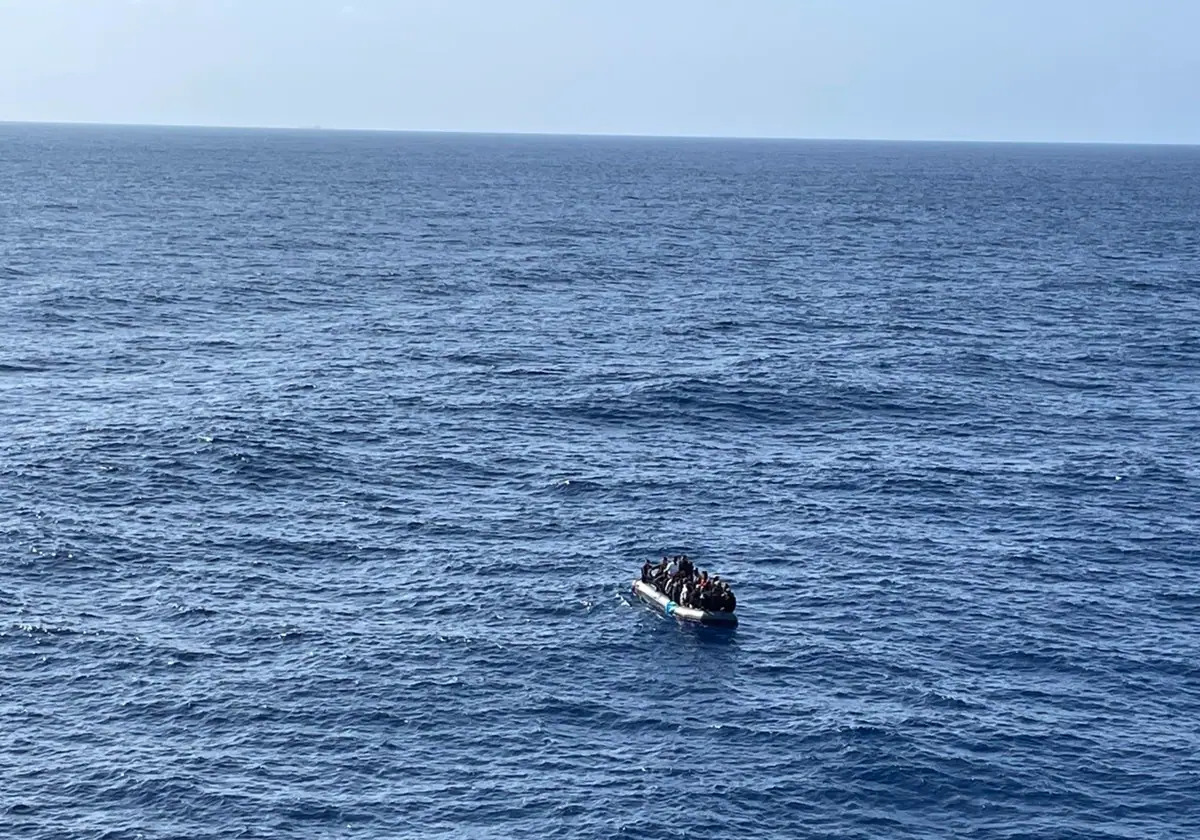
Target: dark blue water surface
pixel 326 460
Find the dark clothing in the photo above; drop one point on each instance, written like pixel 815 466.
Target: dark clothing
pixel 687 588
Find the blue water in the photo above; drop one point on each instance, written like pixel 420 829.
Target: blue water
pixel 326 460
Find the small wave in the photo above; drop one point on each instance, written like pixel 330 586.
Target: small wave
pixel 522 372
pixel 867 219
pixel 46 630
pixel 575 486
pixel 1068 384
pixel 1181 597
pixel 195 612
pixel 482 360
pixel 16 367
pixel 177 656
pixel 941 700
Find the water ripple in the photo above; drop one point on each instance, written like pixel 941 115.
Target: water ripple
pixel 327 459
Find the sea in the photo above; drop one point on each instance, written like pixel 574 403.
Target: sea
pixel 327 460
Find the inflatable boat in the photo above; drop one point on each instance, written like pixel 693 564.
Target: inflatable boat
pixel 668 607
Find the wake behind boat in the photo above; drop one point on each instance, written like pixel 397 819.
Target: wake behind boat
pixel 675 588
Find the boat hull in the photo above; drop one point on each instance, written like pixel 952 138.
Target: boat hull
pixel 666 606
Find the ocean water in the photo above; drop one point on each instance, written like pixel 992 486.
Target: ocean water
pixel 326 460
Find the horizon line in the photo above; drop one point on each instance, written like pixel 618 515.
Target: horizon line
pixel 595 134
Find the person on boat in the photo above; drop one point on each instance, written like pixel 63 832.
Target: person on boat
pixel 686 567
pixel 728 601
pixel 660 574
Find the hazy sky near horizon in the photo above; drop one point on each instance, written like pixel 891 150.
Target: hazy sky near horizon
pixel 1054 70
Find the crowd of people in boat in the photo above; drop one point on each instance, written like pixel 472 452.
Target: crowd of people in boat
pixel 678 579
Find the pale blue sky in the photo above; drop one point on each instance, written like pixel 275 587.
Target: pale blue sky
pixel 1073 70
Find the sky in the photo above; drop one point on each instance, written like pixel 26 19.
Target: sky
pixel 1026 70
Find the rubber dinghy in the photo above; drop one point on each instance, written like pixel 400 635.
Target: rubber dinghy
pixel 668 607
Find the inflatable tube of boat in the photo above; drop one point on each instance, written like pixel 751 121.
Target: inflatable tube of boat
pixel 668 607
